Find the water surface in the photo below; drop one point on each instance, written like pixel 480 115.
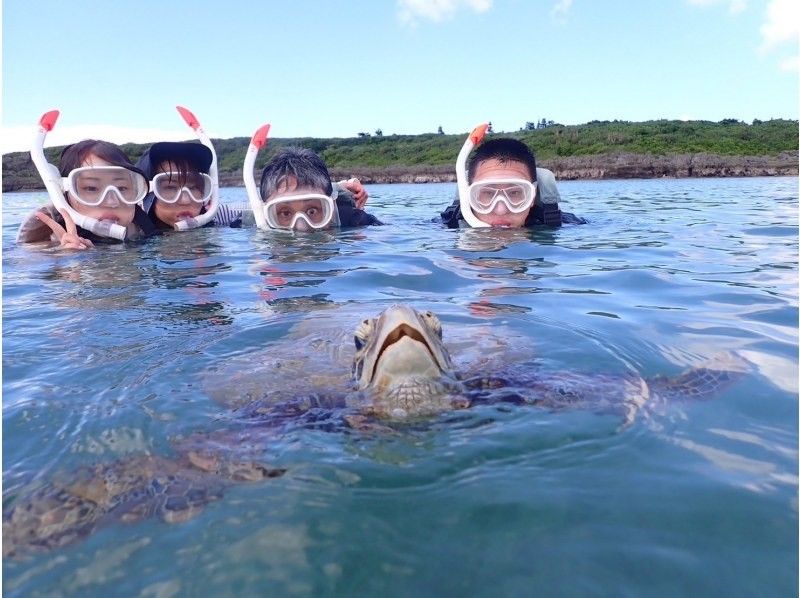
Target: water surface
pixel 106 354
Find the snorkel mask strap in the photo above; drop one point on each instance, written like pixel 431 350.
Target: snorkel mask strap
pixel 213 204
pixel 475 138
pixel 52 181
pixel 258 141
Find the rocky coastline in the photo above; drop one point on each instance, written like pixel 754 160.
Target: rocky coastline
pixel 593 167
pixel 608 166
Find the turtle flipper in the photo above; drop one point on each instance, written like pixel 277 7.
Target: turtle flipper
pixel 49 518
pixel 236 471
pixel 702 382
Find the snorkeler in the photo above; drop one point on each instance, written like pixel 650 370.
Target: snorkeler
pixel 184 183
pixel 94 194
pixel 502 187
pixel 296 192
pixel 182 192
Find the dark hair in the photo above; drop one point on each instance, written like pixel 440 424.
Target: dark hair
pixel 503 149
pixel 306 167
pixel 74 155
pixel 182 167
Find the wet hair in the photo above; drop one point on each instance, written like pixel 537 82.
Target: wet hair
pixel 301 164
pixel 502 149
pixel 74 155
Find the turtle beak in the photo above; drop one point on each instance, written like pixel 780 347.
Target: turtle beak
pixel 404 346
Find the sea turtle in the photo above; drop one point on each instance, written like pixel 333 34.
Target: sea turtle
pixel 400 370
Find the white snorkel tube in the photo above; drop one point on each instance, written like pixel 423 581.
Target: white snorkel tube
pixel 213 204
pixel 52 181
pixel 258 141
pixel 475 138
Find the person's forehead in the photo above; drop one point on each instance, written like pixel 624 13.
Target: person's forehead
pixel 506 169
pixel 167 166
pixel 93 160
pixel 293 189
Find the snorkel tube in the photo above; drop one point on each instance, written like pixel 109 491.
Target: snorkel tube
pixel 258 141
pixel 52 182
pixel 475 138
pixel 213 204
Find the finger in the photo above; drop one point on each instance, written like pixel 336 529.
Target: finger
pixel 71 228
pixel 51 224
pixel 69 241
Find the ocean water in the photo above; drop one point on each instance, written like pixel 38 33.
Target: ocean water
pixel 114 353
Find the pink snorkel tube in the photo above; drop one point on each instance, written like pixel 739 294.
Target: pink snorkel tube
pixel 213 204
pixel 258 141
pixel 52 182
pixel 475 138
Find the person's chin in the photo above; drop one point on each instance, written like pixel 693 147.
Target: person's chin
pixel 503 224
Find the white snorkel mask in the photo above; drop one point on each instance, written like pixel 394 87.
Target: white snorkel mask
pixel 303 212
pixel 129 193
pixel 295 211
pixel 213 174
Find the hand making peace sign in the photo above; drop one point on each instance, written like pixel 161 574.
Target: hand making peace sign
pixel 68 237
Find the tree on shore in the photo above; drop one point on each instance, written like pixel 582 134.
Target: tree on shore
pixel 440 131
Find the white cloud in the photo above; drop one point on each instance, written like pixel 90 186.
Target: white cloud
pixel 560 10
pixel 437 11
pixel 782 23
pixel 19 138
pixel 791 64
pixel 735 6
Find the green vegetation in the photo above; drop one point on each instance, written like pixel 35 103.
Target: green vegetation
pixel 728 137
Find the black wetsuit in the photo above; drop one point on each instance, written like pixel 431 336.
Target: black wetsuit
pixel 541 214
pixel 350 215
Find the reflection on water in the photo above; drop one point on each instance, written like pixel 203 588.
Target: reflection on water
pixel 118 352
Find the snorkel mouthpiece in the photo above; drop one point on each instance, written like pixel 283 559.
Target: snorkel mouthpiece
pixel 213 205
pixel 52 182
pixel 475 138
pixel 258 141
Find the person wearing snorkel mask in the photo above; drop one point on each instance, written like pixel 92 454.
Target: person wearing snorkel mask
pixel 296 193
pixel 94 195
pixel 502 187
pixel 182 189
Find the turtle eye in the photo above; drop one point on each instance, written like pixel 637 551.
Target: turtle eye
pixel 363 332
pixel 433 322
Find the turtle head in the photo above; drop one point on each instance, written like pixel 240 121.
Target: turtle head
pixel 398 346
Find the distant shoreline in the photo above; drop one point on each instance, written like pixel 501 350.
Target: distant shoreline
pixel 593 151
pixel 602 167
pixel 572 168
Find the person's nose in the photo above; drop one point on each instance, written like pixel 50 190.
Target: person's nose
pixel 184 198
pixel 111 198
pixel 301 225
pixel 501 209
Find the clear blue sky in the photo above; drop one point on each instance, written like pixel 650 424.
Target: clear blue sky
pixel 334 68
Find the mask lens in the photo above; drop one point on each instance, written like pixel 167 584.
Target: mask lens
pixel 286 212
pixel 92 186
pixel 168 186
pixel 485 195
